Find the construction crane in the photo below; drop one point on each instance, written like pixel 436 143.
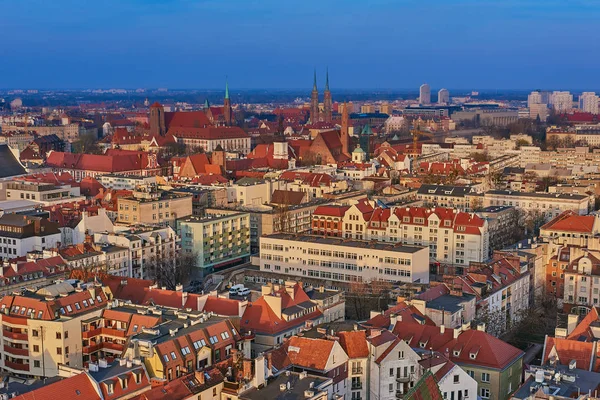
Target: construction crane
pixel 416 134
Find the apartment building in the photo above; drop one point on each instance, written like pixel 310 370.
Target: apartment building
pixel 569 228
pixel 144 246
pixel 581 280
pixel 43 329
pixel 46 194
pixel 547 204
pixel 17 275
pixel 343 260
pixel 152 206
pixel 280 312
pixel 21 234
pixel 126 182
pixel 216 241
pixel 446 196
pixel 356 347
pixel 266 220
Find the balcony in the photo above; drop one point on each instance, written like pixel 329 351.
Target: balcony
pixel 104 332
pixel 103 346
pixel 403 379
pixel 399 394
pixel 16 352
pixel 357 371
pixel 356 385
pixel 14 335
pixel 9 319
pixel 16 366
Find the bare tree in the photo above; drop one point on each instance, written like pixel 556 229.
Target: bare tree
pixel 363 297
pixel 171 271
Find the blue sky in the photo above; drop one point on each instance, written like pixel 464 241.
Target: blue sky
pixel 387 44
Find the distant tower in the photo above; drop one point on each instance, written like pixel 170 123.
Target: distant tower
pixel 345 136
pixel 146 102
pixel 443 97
pixel 327 106
pixel 157 119
pixel 227 105
pixel 425 94
pixel 314 102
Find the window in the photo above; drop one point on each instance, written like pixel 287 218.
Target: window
pixel 391 387
pixel 456 377
pixel 59 351
pixel 401 355
pixel 166 357
pixel 67 351
pixel 36 363
pixel 485 393
pixel 485 377
pixel 391 371
pixel 66 334
pixel 58 335
pixel 173 356
pixel 35 333
pixel 36 348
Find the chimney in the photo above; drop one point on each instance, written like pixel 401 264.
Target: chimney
pixel 442 329
pixel 481 327
pixel 184 297
pixel 247 366
pixel 200 377
pixel 269 363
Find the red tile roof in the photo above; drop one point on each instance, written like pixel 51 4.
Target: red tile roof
pixel 304 353
pixel 77 387
pixel 570 221
pixel 354 343
pixel 490 351
pixel 330 211
pixel 566 350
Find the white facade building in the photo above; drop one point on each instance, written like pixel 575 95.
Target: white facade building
pixel 443 96
pixel 562 101
pixel 425 94
pixel 534 98
pixel 588 102
pixel 343 260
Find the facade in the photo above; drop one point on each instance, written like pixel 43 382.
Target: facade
pixel 152 206
pixel 443 97
pixel 588 102
pixel 21 234
pixel 126 182
pixel 343 260
pixel 446 196
pixel 425 94
pixel 44 329
pixel 216 241
pixel 46 194
pixel 209 138
pixel 562 102
pixel 547 204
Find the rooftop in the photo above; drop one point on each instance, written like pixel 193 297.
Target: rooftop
pixel 334 241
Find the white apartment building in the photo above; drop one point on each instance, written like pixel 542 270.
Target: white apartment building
pixel 394 367
pixel 452 237
pixel 443 96
pixel 145 245
pixel 582 281
pixel 538 110
pixel 425 94
pixel 21 234
pixel 126 182
pixel 343 260
pixel 548 204
pixel 588 102
pixel 534 98
pixel 455 382
pixel 562 101
pixel 529 155
pixel 45 194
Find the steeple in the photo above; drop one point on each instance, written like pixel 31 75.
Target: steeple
pixel 226 88
pixel 227 112
pixel 314 101
pixel 327 103
pixel 206 104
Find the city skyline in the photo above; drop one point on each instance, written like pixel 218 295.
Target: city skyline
pixel 497 45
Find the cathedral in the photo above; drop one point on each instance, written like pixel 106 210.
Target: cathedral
pixel 315 113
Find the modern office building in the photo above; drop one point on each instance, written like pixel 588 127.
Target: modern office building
pixel 425 94
pixel 443 96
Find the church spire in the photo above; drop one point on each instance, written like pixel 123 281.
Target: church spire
pixel 327 79
pixel 315 80
pixel 226 88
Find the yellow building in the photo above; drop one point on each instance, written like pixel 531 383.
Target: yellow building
pixel 152 206
pixel 43 329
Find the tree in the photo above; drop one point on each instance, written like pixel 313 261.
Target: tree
pixel 170 271
pixel 480 156
pixel 520 143
pixel 363 297
pixel 88 144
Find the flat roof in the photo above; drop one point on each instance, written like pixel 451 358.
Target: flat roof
pixel 562 196
pixel 295 392
pixel 352 243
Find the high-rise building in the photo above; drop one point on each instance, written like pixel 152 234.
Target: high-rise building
pixel 367 108
pixel 538 110
pixel 534 98
pixel 443 96
pixel 562 101
pixel 425 94
pixel 327 104
pixel 386 108
pixel 588 102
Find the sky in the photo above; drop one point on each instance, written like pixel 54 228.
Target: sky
pixel 276 44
